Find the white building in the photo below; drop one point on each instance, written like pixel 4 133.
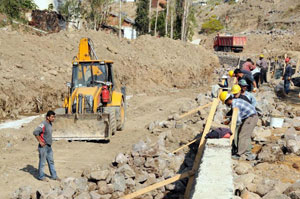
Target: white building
pixel 129 32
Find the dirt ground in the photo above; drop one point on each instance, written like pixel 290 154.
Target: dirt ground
pixel 19 156
pixel 35 70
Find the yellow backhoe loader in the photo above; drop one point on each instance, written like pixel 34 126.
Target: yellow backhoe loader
pixel 93 109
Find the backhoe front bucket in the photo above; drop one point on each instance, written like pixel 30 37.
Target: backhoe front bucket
pixel 81 127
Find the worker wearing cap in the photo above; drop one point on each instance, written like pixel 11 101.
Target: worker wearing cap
pixel 247 120
pixel 240 74
pixel 263 65
pixel 287 76
pixel 243 85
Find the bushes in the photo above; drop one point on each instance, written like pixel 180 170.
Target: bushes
pixel 14 8
pixel 212 25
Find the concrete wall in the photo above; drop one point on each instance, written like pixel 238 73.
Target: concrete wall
pixel 214 179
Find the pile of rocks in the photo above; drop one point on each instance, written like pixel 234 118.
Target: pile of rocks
pixel 146 164
pixel 249 183
pixel 270 32
pixel 174 122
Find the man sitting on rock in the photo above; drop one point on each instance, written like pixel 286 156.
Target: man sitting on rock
pixel 246 121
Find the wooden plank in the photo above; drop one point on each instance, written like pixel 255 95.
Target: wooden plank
pixel 297 68
pixel 235 81
pixel 269 71
pixel 158 185
pixel 194 111
pixel 233 123
pixel 284 66
pixel 201 146
pixel 186 145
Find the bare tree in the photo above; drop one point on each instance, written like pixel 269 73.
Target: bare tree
pixel 184 25
pixel 120 20
pixel 150 6
pixel 183 19
pixel 186 20
pixel 167 19
pixel 156 17
pixel 172 18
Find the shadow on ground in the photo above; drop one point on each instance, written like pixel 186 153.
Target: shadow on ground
pixel 187 165
pixel 33 171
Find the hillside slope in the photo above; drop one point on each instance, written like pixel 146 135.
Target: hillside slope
pixel 34 69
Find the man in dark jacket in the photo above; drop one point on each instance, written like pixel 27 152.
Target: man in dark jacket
pixel 287 76
pixel 247 76
pixel 43 134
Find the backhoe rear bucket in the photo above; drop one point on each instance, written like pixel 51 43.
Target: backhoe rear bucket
pixel 81 127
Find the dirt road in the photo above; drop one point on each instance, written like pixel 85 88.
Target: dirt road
pixel 19 156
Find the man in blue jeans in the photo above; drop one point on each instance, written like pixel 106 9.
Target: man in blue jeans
pixel 43 134
pixel 287 76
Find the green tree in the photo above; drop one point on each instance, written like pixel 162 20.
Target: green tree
pixel 212 25
pixel 142 19
pixel 15 8
pixel 160 23
pixel 191 23
pixel 70 8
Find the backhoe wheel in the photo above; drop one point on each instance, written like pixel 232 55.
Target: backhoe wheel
pixel 112 117
pixel 121 112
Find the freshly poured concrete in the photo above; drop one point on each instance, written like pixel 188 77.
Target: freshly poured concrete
pixel 214 179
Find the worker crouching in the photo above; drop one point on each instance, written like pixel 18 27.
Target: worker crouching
pixel 246 122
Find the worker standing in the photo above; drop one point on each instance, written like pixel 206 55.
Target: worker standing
pixel 263 65
pixel 287 76
pixel 240 74
pixel 43 134
pixel 247 120
pixel 249 65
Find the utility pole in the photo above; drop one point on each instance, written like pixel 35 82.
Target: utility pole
pixel 120 20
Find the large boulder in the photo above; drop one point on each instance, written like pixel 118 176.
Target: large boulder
pixel 119 182
pixel 271 153
pixel 243 168
pixel 260 134
pixel 99 175
pixel 127 171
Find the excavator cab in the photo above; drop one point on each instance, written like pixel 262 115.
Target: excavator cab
pixel 86 74
pixel 93 109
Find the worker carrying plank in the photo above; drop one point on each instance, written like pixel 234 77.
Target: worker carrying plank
pixel 246 122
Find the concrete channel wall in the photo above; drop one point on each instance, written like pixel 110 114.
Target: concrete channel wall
pixel 214 179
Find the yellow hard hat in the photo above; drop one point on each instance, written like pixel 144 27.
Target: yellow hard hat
pixel 261 55
pixel 231 73
pixel 235 89
pixel 224 96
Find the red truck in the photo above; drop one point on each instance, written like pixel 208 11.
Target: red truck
pixel 229 43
